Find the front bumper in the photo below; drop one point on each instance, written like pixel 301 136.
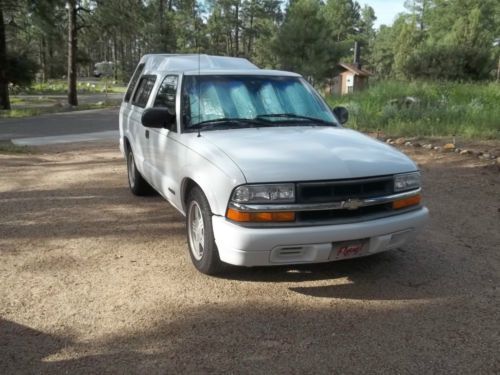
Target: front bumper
pixel 249 247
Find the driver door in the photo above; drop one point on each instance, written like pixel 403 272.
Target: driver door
pixel 163 142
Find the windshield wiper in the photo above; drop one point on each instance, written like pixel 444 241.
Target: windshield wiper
pixel 297 117
pixel 229 122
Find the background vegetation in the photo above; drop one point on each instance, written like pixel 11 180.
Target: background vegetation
pixel 421 108
pixel 433 40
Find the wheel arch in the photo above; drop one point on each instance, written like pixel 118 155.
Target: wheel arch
pixel 187 185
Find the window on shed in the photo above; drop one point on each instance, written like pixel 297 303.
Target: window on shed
pixel 143 91
pixel 133 82
pixel 166 93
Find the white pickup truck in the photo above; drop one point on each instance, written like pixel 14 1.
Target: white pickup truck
pixel 259 165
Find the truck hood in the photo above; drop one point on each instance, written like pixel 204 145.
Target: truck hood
pixel 283 154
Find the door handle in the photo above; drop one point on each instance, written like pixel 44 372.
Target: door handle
pixel 147 134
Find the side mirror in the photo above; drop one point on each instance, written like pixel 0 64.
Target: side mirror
pixel 157 118
pixel 342 114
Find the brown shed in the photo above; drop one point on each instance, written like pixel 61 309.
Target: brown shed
pixel 351 78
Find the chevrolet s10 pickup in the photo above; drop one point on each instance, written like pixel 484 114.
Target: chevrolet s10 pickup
pixel 263 170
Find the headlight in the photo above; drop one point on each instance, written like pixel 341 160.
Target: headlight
pixel 406 181
pixel 275 193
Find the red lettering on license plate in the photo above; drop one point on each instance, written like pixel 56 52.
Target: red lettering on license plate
pixel 349 250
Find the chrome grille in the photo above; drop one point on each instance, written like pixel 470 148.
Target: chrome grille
pixel 339 190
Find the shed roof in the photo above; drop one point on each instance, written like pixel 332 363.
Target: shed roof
pixel 354 69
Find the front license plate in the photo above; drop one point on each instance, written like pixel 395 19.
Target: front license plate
pixel 348 249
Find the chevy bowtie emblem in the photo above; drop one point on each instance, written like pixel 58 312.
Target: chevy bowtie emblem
pixel 352 204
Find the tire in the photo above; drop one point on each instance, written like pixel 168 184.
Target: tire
pixel 137 184
pixel 200 235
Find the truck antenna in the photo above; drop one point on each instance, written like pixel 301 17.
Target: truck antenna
pixel 199 70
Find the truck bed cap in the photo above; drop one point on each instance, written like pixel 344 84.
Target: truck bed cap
pixel 192 64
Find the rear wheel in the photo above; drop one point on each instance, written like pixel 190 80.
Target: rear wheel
pixel 200 236
pixel 137 183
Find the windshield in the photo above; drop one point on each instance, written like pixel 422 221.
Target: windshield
pixel 270 99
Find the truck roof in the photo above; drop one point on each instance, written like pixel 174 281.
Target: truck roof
pixel 194 64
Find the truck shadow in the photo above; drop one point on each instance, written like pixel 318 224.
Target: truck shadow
pixel 403 274
pixel 72 213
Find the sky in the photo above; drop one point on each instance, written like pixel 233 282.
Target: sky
pixel 385 10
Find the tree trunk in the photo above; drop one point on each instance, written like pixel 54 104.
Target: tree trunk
pixel 43 58
pixel 237 30
pixel 50 67
pixel 72 48
pixel 115 65
pixel 498 70
pixel 250 31
pixel 4 83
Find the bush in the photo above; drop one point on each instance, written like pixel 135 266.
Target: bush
pixel 449 63
pixel 21 70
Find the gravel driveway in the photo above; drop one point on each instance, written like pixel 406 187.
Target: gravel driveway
pixel 95 280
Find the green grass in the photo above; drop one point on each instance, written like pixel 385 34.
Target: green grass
pixel 60 87
pixel 470 110
pixel 6 147
pixel 37 111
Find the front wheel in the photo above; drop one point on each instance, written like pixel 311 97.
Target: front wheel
pixel 200 236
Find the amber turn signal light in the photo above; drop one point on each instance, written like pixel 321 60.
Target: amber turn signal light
pixel 248 217
pixel 402 203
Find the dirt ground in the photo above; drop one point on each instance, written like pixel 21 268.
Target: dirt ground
pixel 95 280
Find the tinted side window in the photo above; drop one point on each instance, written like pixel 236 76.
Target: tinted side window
pixel 143 91
pixel 166 93
pixel 133 82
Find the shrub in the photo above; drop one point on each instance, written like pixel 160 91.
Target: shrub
pixel 21 70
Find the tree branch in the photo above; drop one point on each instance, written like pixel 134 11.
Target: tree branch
pixel 83 9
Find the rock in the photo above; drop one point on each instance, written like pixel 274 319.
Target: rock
pixel 428 146
pixel 416 144
pixel 487 156
pixel 437 148
pixel 449 147
pixel 400 141
pixel 408 144
pixel 99 103
pixel 410 100
pixel 457 150
pixel 388 140
pixel 498 162
pixel 465 152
